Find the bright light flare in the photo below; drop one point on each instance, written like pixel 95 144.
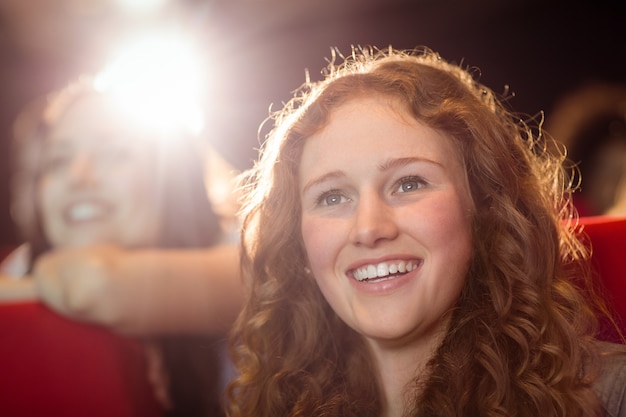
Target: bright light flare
pixel 140 6
pixel 158 81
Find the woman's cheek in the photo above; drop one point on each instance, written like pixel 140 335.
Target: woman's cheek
pixel 318 243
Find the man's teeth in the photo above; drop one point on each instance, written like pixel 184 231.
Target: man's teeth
pixel 383 269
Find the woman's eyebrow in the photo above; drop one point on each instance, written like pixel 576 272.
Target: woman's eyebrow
pixel 321 179
pixel 392 163
pixel 56 145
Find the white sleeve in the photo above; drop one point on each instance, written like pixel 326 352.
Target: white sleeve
pixel 16 264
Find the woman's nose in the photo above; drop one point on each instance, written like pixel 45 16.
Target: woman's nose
pixel 374 221
pixel 82 170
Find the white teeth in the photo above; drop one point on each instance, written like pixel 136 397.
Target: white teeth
pixel 383 269
pixel 371 271
pixel 85 211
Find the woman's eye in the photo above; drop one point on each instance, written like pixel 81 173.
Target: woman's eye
pixel 408 184
pixel 331 198
pixel 55 162
pixel 115 154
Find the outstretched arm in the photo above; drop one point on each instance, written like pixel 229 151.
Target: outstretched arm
pixel 144 292
pixel 16 290
pixel 14 286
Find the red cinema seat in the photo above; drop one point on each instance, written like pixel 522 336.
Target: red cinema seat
pixel 607 237
pixel 51 366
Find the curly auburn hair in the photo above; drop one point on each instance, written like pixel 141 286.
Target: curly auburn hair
pixel 520 342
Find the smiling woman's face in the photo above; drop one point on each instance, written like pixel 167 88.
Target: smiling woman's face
pixel 98 181
pixel 386 221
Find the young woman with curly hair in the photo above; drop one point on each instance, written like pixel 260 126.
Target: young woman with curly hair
pixel 412 252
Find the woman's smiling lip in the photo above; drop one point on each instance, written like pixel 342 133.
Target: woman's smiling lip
pixel 383 269
pixel 87 210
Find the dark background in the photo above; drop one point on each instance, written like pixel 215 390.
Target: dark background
pixel 258 51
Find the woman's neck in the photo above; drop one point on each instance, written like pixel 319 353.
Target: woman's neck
pixel 401 369
pixel 397 372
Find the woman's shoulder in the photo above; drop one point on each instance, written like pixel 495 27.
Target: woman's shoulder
pixel 611 383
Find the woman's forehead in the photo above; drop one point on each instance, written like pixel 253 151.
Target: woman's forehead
pixel 93 120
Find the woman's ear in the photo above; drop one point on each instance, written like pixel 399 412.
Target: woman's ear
pixel 308 273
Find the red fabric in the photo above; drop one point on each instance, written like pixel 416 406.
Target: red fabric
pixel 607 237
pixel 51 366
